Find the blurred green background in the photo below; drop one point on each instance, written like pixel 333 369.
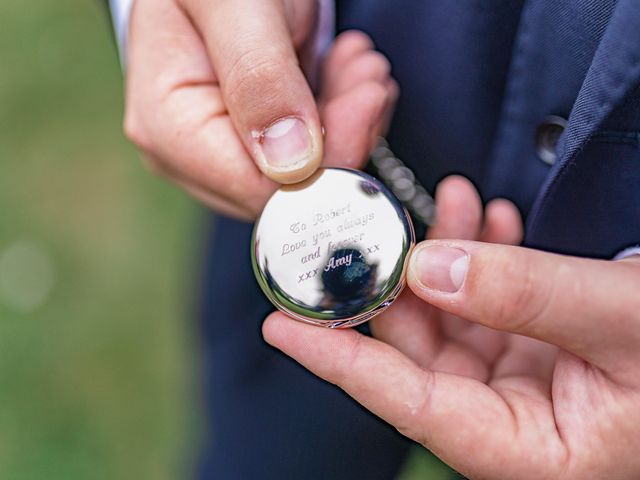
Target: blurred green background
pixel 98 263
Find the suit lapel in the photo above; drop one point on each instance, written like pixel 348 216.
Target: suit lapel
pixel 614 71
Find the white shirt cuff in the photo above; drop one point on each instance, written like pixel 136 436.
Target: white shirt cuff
pixel 628 252
pixel 312 55
pixel 120 13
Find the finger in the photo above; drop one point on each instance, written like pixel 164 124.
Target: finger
pixel 415 330
pixel 411 327
pixel 449 414
pixel 217 204
pixel 527 357
pixel 367 66
pixel 347 46
pixel 465 348
pixel 502 223
pixel 459 216
pixel 350 121
pixel 354 101
pixel 175 112
pixel 408 324
pixel 588 307
pixel 211 200
pixel 302 19
pixel 266 93
pixel 393 93
pixel 459 210
pixel 192 147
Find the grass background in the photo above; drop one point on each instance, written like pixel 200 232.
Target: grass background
pixel 100 381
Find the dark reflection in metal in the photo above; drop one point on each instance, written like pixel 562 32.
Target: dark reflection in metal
pixel 332 250
pixel 370 189
pixel 348 281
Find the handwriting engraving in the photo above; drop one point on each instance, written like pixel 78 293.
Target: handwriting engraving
pixel 373 249
pixel 288 248
pixel 360 221
pixel 323 217
pixel 298 227
pixel 307 275
pixel 321 236
pixel 315 255
pixel 345 242
pixel 338 262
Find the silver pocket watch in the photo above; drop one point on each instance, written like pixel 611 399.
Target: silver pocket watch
pixel 332 250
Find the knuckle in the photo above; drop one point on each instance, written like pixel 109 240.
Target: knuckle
pixel 132 127
pixel 410 424
pixel 248 187
pixel 253 203
pixel 254 79
pixel 357 39
pixel 352 356
pixel 256 204
pixel 524 301
pixel 379 62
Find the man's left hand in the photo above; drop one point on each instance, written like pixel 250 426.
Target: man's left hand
pixel 506 362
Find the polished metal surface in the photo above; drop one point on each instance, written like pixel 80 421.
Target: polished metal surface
pixel 332 250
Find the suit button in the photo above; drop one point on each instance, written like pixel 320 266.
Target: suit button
pixel 547 135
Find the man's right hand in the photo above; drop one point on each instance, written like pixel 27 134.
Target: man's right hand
pixel 218 102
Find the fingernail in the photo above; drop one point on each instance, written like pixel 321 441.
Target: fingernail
pixel 286 144
pixel 441 268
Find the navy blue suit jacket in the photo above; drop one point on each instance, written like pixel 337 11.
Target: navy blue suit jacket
pixel 477 78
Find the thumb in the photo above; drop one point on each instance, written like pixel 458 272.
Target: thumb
pixel 588 307
pixel 251 46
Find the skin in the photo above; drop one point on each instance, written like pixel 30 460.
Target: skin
pixel 529 371
pixel 206 78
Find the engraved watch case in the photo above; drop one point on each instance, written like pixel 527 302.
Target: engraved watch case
pixel 332 250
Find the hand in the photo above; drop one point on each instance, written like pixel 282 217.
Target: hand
pixel 467 364
pixel 218 102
